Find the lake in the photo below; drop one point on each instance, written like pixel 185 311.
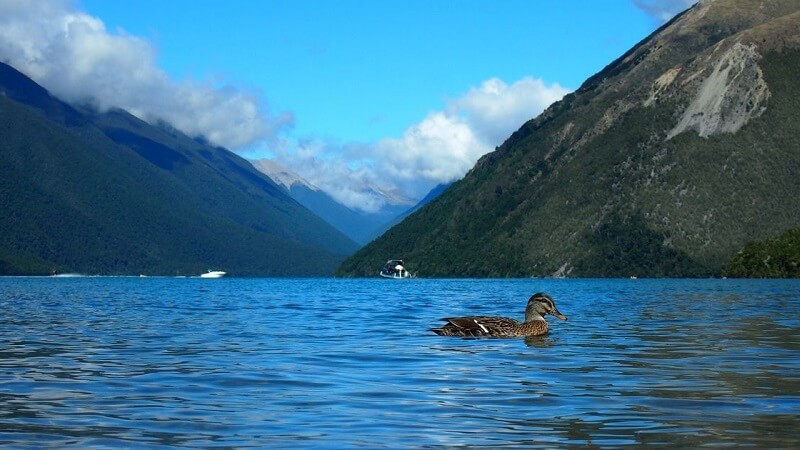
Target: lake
pixel 308 363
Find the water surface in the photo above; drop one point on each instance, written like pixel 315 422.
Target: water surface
pixel 162 362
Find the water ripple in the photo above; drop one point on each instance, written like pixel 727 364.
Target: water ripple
pixel 108 362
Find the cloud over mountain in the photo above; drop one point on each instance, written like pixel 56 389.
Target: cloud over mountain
pixel 440 148
pixel 73 55
pixel 495 109
pixel 663 10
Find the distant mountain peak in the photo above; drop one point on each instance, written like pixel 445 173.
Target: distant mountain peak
pixel 281 174
pixel 357 223
pixel 389 197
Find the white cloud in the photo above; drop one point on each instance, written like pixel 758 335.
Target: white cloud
pixel 73 55
pixel 663 10
pixel 439 149
pixel 496 109
pixel 446 144
pixel 345 172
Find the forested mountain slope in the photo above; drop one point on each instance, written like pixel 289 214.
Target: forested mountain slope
pixel 106 193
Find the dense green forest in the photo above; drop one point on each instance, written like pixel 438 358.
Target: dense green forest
pixel 774 258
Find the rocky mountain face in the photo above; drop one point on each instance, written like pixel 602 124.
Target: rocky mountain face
pixel 665 163
pixel 106 193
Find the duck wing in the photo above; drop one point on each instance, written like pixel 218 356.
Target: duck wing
pixel 477 326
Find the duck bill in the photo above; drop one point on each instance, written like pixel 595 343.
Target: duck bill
pixel 558 315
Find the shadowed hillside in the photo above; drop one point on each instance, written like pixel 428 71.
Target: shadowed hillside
pixel 106 193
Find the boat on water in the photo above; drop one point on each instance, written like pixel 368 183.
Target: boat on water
pixel 213 274
pixel 394 268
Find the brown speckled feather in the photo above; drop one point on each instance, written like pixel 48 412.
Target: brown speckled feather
pixel 487 326
pixel 477 326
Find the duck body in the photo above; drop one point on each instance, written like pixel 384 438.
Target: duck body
pixel 491 326
pixel 488 326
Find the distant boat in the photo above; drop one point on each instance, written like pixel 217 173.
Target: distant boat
pixel 394 268
pixel 213 274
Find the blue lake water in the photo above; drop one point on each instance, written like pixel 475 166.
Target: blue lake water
pixel 309 363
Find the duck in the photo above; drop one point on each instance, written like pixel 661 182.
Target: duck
pixel 489 326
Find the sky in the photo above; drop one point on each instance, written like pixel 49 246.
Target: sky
pixel 355 96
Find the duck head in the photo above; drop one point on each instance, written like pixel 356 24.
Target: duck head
pixel 540 304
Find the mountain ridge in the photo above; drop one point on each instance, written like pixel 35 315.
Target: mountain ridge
pixel 107 193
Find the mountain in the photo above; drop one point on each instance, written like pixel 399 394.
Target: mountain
pixel 359 226
pixel 432 194
pixel 665 163
pixel 106 193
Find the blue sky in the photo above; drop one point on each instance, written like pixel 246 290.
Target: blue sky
pixel 353 95
pixel 364 70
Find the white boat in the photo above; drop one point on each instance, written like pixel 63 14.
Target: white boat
pixel 213 274
pixel 394 268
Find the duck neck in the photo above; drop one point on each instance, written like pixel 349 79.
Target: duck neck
pixel 532 315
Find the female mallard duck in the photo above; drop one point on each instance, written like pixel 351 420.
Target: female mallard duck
pixel 486 326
